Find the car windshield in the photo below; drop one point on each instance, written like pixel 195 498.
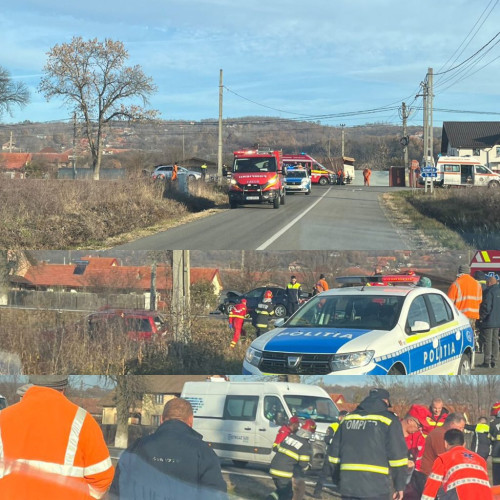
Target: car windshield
pixel 315 407
pixel 296 173
pixel 361 312
pixel 256 164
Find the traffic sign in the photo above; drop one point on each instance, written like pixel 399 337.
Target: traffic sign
pixel 429 174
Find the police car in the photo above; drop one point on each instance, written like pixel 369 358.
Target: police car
pixel 368 330
pixel 297 180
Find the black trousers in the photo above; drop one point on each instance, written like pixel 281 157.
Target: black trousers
pixel 284 489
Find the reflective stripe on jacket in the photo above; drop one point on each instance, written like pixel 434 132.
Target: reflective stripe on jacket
pixel 50 448
pixel 239 311
pixel 367 448
pixel 460 471
pixel 293 455
pixel 467 294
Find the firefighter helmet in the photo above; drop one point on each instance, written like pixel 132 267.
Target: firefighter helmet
pixel 495 409
pixel 294 420
pixel 243 301
pixel 309 425
pixel 268 294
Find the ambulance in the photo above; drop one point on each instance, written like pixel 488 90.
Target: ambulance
pixel 240 420
pixel 318 173
pixel 464 171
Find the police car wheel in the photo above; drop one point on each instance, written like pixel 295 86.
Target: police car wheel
pixel 494 184
pixel 465 365
pixel 396 370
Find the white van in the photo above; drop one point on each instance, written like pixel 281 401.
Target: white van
pixel 240 420
pixel 464 171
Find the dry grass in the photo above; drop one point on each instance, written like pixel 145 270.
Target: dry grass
pixel 49 341
pixel 64 214
pixel 473 213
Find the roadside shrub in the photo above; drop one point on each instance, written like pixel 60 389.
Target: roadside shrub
pixel 472 212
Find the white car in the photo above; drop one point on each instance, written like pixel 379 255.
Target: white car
pixel 370 330
pixel 162 172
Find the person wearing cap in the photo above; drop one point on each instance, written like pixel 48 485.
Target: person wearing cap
pixel 292 294
pixel 236 319
pixel 424 282
pixel 292 459
pixel 466 293
pixel 51 448
pixel 369 449
pixel 286 430
pixel 326 470
pixel 263 313
pixel 495 442
pixel 458 473
pixel 172 463
pixel 480 437
pixel 489 316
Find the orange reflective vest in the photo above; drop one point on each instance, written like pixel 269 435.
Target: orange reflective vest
pixel 51 449
pixel 460 472
pixel 467 294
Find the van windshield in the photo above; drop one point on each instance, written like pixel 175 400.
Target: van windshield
pixel 315 407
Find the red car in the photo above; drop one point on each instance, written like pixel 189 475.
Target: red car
pixel 138 324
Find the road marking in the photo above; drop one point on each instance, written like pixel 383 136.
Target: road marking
pixel 272 239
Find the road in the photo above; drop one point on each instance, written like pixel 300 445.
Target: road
pixel 331 218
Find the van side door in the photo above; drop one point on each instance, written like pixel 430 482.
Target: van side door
pixel 272 418
pixel 239 427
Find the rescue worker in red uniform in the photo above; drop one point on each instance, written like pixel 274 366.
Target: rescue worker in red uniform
pixel 236 319
pixel 292 459
pixel 466 293
pixel 263 313
pixel 461 473
pixel 50 448
pixel 495 442
pixel 285 430
pixel 368 449
pixel 435 417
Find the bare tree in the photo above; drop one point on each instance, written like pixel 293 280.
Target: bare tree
pixel 11 92
pixel 93 80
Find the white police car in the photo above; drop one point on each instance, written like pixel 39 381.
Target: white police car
pixel 297 180
pixel 372 330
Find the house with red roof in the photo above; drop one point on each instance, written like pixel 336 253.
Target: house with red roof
pixel 14 165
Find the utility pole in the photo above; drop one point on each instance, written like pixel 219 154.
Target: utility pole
pixel 428 159
pixel 180 295
pixel 343 137
pixel 153 301
pixel 219 148
pixel 74 145
pixel 10 142
pixel 405 142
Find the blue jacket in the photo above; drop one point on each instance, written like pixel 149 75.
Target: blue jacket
pixel 172 463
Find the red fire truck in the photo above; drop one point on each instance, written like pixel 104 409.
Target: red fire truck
pixel 257 177
pixel 487 261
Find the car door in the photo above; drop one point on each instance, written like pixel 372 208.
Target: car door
pixel 419 338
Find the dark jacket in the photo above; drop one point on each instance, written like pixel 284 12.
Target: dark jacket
pixel 263 313
pixel 292 457
pixel 480 439
pixel 292 292
pixel 489 310
pixel 367 448
pixel 495 439
pixel 172 463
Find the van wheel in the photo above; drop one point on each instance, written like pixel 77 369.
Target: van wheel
pixel 282 199
pixel 493 184
pixel 240 463
pixel 323 181
pixel 465 365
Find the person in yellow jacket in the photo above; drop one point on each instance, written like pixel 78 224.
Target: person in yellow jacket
pixel 466 293
pixel 51 448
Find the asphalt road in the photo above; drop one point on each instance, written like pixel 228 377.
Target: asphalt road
pixel 331 218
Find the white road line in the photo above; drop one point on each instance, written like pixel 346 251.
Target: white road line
pixel 283 230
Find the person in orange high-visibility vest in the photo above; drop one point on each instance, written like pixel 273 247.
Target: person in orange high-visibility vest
pixel 460 473
pixel 51 448
pixel 236 319
pixel 175 170
pixel 367 173
pixel 467 294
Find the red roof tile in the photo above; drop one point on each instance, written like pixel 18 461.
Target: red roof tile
pixel 14 161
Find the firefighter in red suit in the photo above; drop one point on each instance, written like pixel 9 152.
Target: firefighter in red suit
pixel 285 430
pixel 436 415
pixel 236 319
pixel 459 472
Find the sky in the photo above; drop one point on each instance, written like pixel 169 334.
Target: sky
pixel 317 60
